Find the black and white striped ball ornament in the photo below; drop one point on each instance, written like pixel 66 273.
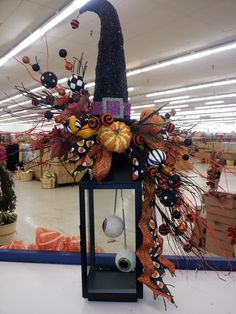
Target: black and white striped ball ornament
pixel 76 83
pixel 156 157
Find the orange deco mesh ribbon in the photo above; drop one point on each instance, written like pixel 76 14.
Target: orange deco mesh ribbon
pixel 150 251
pixel 102 164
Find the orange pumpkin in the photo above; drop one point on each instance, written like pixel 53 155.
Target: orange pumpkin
pixel 156 122
pixel 116 137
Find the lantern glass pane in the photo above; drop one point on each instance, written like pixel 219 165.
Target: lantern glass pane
pixel 111 240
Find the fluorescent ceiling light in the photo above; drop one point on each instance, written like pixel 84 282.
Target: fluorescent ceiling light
pixel 7 119
pixel 203 98
pixel 20 104
pixel 184 58
pixel 26 121
pixel 214 107
pixel 170 99
pixel 206 111
pixel 226 114
pixel 10 98
pixel 164 111
pixel 194 87
pixel 201 117
pixel 130 89
pixel 12 106
pixel 214 102
pixel 176 107
pixel 30 115
pixel 142 106
pixel 43 29
pixel 208 119
pixel 185 117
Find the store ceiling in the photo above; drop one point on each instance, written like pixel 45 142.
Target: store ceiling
pixel 154 31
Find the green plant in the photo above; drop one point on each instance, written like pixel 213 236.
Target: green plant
pixel 7 197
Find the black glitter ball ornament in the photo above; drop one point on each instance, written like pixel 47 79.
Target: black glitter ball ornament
pixel 49 79
pixel 167 116
pixel 48 115
pixel 35 67
pixel 185 157
pixel 111 69
pixel 176 214
pixel 174 179
pixel 168 197
pixel 76 83
pixel 62 53
pixel 188 142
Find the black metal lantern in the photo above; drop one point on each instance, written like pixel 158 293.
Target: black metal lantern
pixel 111 275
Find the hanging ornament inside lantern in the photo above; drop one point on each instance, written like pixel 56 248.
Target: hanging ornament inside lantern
pixel 125 261
pixel 113 226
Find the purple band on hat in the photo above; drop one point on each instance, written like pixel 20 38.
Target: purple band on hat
pixel 112 106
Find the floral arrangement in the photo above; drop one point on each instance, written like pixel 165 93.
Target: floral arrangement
pixel 7 194
pixel 89 134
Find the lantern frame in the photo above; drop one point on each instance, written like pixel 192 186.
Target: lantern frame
pixel 104 282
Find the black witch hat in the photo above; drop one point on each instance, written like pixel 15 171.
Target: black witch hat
pixel 111 79
pixel 110 82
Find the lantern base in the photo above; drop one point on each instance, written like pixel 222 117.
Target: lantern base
pixel 112 285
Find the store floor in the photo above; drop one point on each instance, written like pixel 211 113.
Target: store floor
pixel 56 289
pixel 58 209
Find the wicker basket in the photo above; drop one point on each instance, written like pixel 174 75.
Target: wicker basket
pixel 48 183
pixel 7 233
pixel 17 174
pixel 62 172
pixel 229 163
pixel 26 176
